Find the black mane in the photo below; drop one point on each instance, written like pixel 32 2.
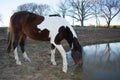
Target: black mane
pixel 58 15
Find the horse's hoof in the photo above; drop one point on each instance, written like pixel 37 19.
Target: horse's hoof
pixel 27 60
pixel 18 63
pixel 64 69
pixel 54 63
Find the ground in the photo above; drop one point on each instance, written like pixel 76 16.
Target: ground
pixel 40 68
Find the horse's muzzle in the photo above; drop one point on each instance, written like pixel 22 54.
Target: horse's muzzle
pixel 80 62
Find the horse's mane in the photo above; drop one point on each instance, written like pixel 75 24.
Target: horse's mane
pixel 58 15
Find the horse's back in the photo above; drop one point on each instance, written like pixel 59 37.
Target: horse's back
pixel 54 24
pixel 18 17
pixel 38 27
pixel 23 18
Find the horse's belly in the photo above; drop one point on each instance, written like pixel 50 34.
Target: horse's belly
pixel 39 38
pixel 39 35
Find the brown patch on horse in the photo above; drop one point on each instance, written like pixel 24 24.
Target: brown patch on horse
pixel 61 34
pixel 25 23
pixel 64 33
pixel 76 49
pixel 34 19
pixel 31 29
pixel 52 46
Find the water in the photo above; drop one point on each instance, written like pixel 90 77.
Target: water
pixel 101 62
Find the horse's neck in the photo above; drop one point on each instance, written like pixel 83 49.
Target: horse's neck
pixel 72 40
pixel 76 45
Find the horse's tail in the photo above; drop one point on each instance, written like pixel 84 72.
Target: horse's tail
pixel 10 38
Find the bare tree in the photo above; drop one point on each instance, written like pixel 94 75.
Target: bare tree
pixel 63 7
pixel 109 9
pixel 41 9
pixel 31 7
pixel 81 10
pixel 95 11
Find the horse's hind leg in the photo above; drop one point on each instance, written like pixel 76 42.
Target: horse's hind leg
pixel 22 46
pixel 15 45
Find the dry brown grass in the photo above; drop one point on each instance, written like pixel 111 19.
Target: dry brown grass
pixel 40 68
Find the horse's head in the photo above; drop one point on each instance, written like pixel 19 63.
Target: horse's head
pixel 76 51
pixel 77 55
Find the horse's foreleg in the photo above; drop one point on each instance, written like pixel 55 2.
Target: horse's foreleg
pixel 53 49
pixel 63 54
pixel 53 56
pixel 22 45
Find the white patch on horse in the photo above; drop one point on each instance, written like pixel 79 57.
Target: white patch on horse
pixel 18 62
pixel 53 24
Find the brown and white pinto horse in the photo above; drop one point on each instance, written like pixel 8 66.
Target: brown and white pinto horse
pixel 49 28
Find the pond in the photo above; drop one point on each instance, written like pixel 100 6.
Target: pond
pixel 101 62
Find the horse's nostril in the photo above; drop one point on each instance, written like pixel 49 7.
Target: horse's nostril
pixel 80 62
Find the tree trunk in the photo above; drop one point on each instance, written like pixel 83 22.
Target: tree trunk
pixel 108 24
pixel 63 15
pixel 82 23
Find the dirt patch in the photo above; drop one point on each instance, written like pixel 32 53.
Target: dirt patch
pixel 40 68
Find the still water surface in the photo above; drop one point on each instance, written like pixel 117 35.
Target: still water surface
pixel 101 62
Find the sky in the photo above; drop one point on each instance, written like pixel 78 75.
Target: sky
pixel 7 7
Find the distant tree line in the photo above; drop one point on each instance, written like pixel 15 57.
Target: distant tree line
pixel 82 10
pixel 41 9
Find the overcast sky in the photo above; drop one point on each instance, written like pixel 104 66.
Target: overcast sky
pixel 7 7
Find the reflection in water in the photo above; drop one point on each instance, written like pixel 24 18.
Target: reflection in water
pixel 101 62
